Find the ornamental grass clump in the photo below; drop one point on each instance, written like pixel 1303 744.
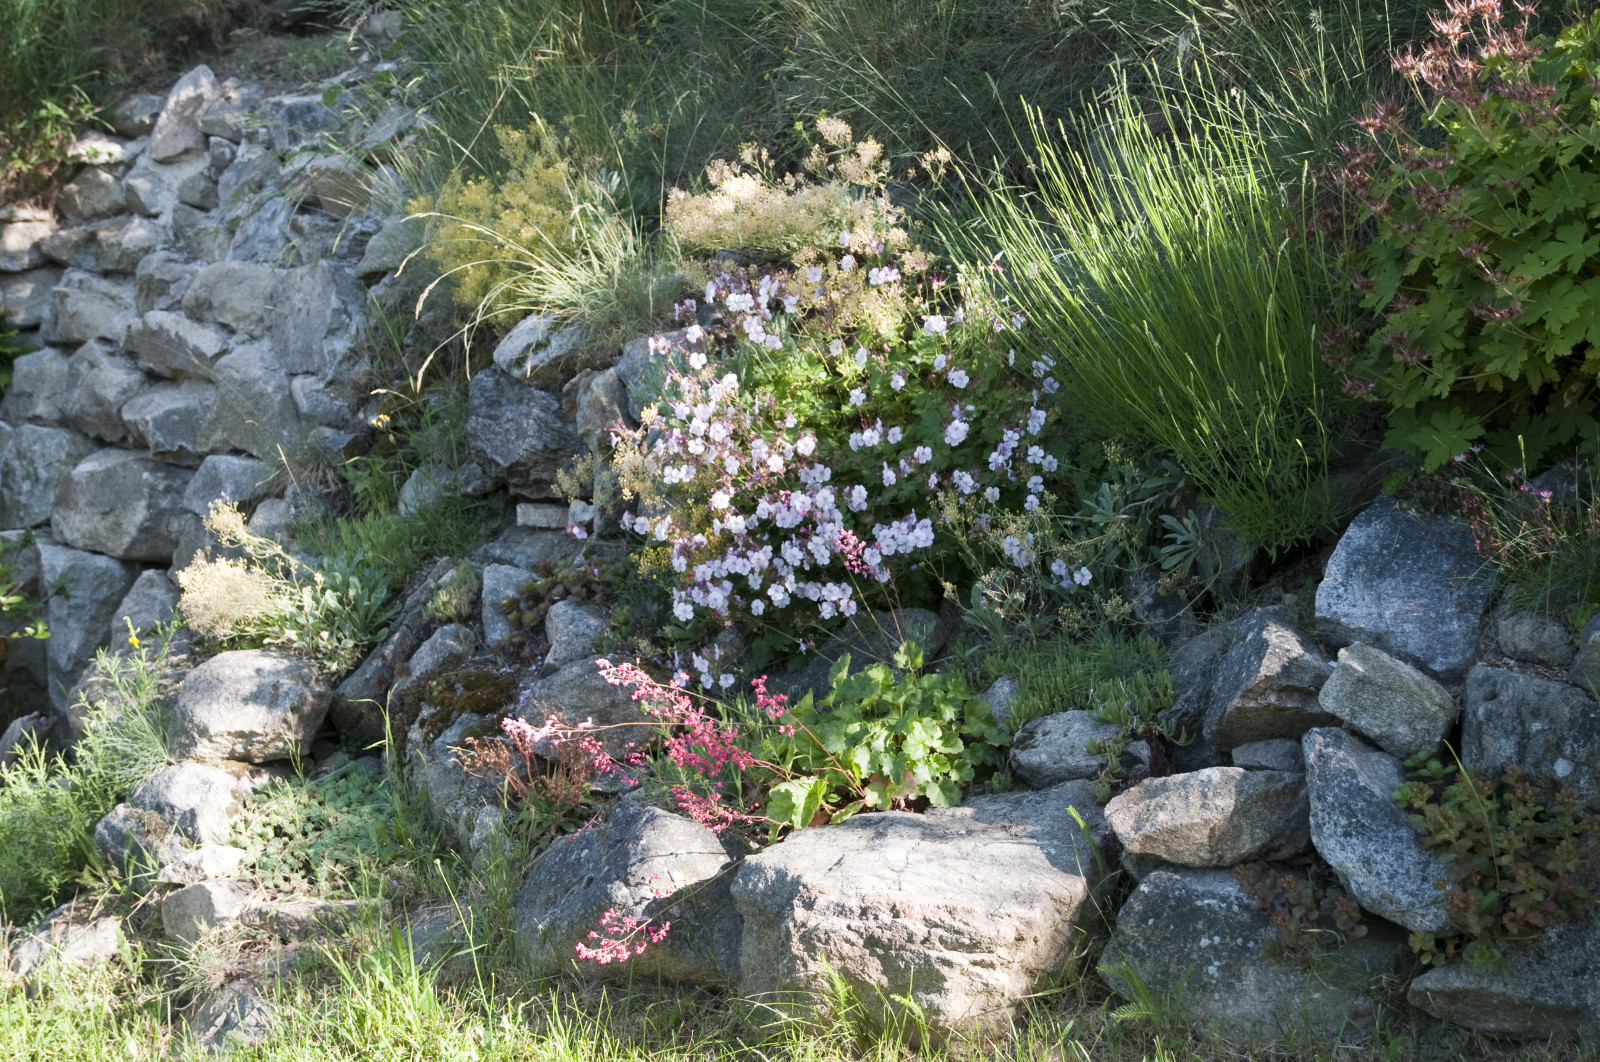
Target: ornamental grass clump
pixel 1162 273
pixel 1483 275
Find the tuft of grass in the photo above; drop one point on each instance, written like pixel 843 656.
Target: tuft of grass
pixel 49 804
pixel 1165 276
pixel 1100 674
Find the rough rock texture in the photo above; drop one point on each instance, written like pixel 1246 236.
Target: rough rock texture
pixel 255 705
pixel 198 800
pixel 1397 707
pixel 25 297
pixel 37 382
pixel 72 937
pixel 202 864
pixel 193 909
pixel 1195 938
pixel 121 504
pixel 92 587
pixel 231 293
pixel 577 692
pixel 1055 748
pixel 314 315
pixel 21 732
pixel 1585 670
pixel 518 433
pixel 151 600
pixel 91 195
pixel 239 1014
pixel 1549 988
pixel 445 648
pixel 223 477
pixel 964 910
pixel 501 583
pixel 1273 754
pixel 1266 685
pixel 1534 639
pixel 572 629
pixel 644 362
pixel 465 806
pixel 1367 839
pixel 602 407
pixel 1548 729
pixel 98 383
pixel 169 344
pixel 309 919
pixel 1218 817
pixel 33 462
pixel 999 697
pixel 643 863
pixel 177 130
pixel 84 307
pixel 255 408
pixel 173 420
pixel 1410 584
pixel 537 352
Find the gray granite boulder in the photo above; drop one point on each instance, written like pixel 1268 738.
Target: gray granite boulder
pixel 120 503
pixel 177 129
pixel 99 381
pixel 1266 684
pixel 1409 584
pixel 71 936
pixel 1366 838
pixel 227 478
pixel 170 344
pixel 174 420
pixel 1534 639
pixel 85 306
pixel 642 863
pixel 1218 817
pixel 519 433
pixel 34 460
pixel 38 380
pixel 255 705
pixel 1273 754
pixel 1059 748
pixel 501 583
pixel 91 586
pixel 152 600
pixel 187 913
pixel 1388 701
pixel 465 805
pixel 25 297
pixel 963 910
pixel 571 629
pixel 1549 730
pixel 1195 940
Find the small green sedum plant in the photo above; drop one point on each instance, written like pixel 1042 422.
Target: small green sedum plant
pixel 1521 858
pixel 1484 272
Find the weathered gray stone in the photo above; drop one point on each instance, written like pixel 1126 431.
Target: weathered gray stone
pixel 465 806
pixel 1273 754
pixel 122 244
pixel 1266 686
pixel 255 705
pixel 310 919
pixel 319 401
pixel 77 247
pixel 199 801
pixel 296 121
pixel 38 382
pixel 1390 702
pixel 340 186
pixel 518 433
pixel 231 293
pixel 1366 838
pixel 1218 817
pixel 571 629
pixel 151 188
pixel 23 733
pixel 91 588
pixel 33 463
pixel 239 1014
pixel 70 936
pixel 139 844
pixel 315 316
pixel 549 517
pixel 187 913
pixel 1195 941
pixel 98 383
pixel 225 117
pixel 578 692
pixel 173 420
pixel 501 582
pixel 224 477
pixel 1056 748
pixel 643 863
pixel 199 190
pixel 1409 584
pixel 1534 639
pixel 25 297
pixel 84 307
pixel 539 353
pixel 962 910
pixel 999 697
pixel 120 503
pixel 1547 988
pixel 19 242
pixel 443 650
pixel 523 547
pixel 388 248
pixel 92 194
pixel 255 409
pixel 220 153
pixel 150 602
pixel 602 408
pixel 203 864
pixel 1585 670
pixel 177 130
pixel 169 344
pixel 161 281
pixel 1547 729
pixel 136 115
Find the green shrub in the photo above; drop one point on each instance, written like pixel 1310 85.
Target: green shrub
pixel 883 738
pixel 1521 858
pixel 1484 273
pixel 49 804
pixel 1193 327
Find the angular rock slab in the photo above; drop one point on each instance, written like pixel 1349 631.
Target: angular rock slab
pixel 187 913
pixel 1366 838
pixel 571 629
pixel 643 863
pixel 501 583
pixel 1266 685
pixel 91 587
pixel 184 803
pixel 465 806
pixel 69 937
pixel 519 433
pixel 1550 987
pixel 578 692
pixel 1195 940
pixel 1055 748
pixel 34 461
pixel 1547 729
pixel 255 705
pixel 1397 707
pixel 1410 584
pixel 1218 817
pixel 965 910
pixel 177 129
pixel 121 504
